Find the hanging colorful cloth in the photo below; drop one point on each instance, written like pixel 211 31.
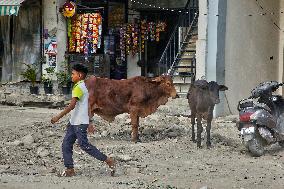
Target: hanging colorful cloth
pixel 122 43
pixel 160 27
pixel 78 33
pixel 144 34
pixel 151 30
pixel 86 30
pixel 128 38
pixel 135 36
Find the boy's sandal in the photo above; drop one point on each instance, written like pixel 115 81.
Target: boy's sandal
pixel 67 173
pixel 112 167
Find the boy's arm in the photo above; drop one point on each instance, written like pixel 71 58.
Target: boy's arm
pixel 70 107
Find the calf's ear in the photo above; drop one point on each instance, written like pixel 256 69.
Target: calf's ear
pixel 223 88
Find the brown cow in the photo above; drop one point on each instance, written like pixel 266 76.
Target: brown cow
pixel 138 96
pixel 202 97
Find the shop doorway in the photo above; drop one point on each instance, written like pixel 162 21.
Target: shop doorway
pixel 155 49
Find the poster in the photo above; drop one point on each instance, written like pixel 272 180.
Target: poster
pixel 50 50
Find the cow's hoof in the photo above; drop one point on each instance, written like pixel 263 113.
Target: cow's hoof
pixel 193 140
pixel 136 140
pixel 209 145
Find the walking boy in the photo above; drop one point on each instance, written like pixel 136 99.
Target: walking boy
pixel 79 123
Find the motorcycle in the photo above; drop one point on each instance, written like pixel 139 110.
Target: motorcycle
pixel 261 118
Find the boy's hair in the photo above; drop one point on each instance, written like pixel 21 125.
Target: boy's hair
pixel 81 68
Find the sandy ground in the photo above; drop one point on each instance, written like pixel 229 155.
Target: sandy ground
pixel 30 154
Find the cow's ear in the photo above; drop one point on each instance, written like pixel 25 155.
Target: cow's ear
pixel 223 88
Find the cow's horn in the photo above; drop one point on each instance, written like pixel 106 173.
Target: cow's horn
pixel 157 79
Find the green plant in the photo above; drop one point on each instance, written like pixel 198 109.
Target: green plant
pixel 63 76
pixel 47 78
pixel 30 73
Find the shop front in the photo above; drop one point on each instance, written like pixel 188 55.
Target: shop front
pixel 93 36
pixel 109 38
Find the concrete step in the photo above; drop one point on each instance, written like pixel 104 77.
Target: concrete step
pixel 189 50
pixel 184 66
pixel 191 45
pixel 185 59
pixel 187 70
pixel 181 79
pixel 182 82
pixel 187 54
pixel 190 42
pixel 182 88
pixel 182 94
pixel 194 37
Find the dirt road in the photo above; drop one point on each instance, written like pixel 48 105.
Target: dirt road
pixel 30 154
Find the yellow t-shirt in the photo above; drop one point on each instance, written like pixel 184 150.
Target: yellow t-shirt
pixel 79 115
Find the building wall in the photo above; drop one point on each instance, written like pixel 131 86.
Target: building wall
pixel 20 41
pixel 281 44
pixel 251 48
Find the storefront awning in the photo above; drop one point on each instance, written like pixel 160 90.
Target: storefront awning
pixel 10 7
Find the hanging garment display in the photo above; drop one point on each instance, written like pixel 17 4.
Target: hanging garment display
pixel 160 27
pixel 85 34
pixel 122 43
pixel 135 35
pixel 144 34
pixel 129 36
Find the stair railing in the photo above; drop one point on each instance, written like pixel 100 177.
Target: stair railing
pixel 187 22
pixel 183 45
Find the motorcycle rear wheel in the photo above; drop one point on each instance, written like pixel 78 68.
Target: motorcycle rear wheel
pixel 255 147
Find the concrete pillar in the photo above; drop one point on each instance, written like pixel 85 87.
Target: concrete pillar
pixel 201 43
pixel 281 48
pixel 55 34
pixel 211 45
pixel 223 107
pixel 212 40
pixel 61 34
